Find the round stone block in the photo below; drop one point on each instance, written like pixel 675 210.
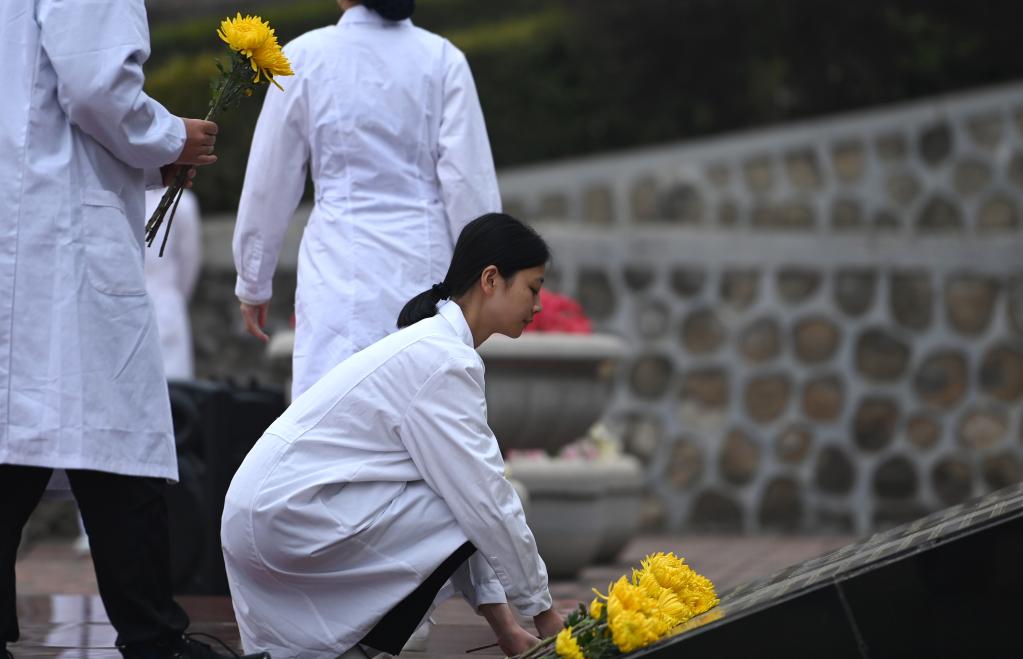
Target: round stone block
pixel 759 174
pixel 1001 471
pixel 936 143
pixel 760 341
pixel 848 160
pixel 653 319
pixel 793 443
pixel 998 214
pixel 854 291
pixel 822 398
pixel 941 379
pixel 687 282
pixel 781 505
pixel 983 428
pixel 923 432
pixel 940 215
pixel 719 174
pixel 739 458
pixel 895 478
pixel 703 332
pixel 650 376
pixel 803 170
pixel 847 214
pixel 596 294
pixel 641 434
pixel 739 288
pixel 911 299
pixel 882 356
pixel 797 285
pixel 728 213
pixel 598 205
pixel 553 206
pixel 1015 292
pixel 816 339
pixel 970 302
pixel 716 511
pixel 638 276
pixel 643 198
pixel 766 397
pixel 952 480
pixel 971 176
pixel 892 147
pixel 706 388
pixel 686 468
pixel 682 204
pixel 903 188
pixel 985 129
pixel 834 472
pixel 874 423
pixel 1001 373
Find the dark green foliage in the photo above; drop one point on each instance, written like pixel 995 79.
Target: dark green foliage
pixel 568 77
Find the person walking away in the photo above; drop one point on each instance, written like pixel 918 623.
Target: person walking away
pixel 386 119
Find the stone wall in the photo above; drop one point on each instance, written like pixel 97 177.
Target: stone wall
pixel 825 319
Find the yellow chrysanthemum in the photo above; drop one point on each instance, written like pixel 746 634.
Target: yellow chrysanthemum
pixel 632 616
pixel 254 38
pixel 566 646
pixel 596 609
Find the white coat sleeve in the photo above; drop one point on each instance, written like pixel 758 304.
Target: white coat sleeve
pixel 274 180
pixel 465 165
pixel 97 49
pixel 446 434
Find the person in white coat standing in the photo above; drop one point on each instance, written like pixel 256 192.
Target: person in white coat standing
pixel 81 379
pixel 170 281
pixel 383 480
pixel 386 118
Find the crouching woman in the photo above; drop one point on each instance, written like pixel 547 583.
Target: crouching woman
pixel 383 481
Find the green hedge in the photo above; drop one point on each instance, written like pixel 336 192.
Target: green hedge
pixel 568 77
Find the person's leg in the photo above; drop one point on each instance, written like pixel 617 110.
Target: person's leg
pixel 126 519
pixel 395 628
pixel 21 488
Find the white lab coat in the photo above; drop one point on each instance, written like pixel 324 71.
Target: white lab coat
pixel 387 117
pixel 170 280
pixel 81 380
pixel 364 486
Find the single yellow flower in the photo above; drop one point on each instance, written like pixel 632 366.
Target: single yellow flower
pixel 255 39
pixel 596 609
pixel 566 646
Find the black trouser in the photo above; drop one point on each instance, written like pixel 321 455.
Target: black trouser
pixel 126 519
pixel 395 628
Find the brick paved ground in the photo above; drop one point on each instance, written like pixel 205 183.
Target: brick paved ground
pixel 73 625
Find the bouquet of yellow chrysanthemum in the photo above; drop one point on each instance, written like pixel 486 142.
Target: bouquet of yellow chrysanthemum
pixel 256 58
pixel 635 612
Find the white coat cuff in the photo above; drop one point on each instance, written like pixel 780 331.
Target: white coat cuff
pixel 487 593
pixel 536 605
pixel 153 178
pixel 251 293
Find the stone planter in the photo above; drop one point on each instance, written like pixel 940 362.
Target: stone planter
pixel 545 390
pixel 565 512
pixel 622 502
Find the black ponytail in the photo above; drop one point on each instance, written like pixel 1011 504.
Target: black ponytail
pixel 392 10
pixel 493 239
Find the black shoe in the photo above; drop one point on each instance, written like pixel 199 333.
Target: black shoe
pixel 193 649
pixel 184 647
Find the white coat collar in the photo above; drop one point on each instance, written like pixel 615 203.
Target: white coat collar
pixel 360 14
pixel 452 313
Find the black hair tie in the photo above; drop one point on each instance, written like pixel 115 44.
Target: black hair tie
pixel 441 290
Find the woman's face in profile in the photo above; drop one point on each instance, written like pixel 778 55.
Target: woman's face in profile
pixel 516 300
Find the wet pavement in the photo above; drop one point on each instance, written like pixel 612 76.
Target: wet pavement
pixel 62 617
